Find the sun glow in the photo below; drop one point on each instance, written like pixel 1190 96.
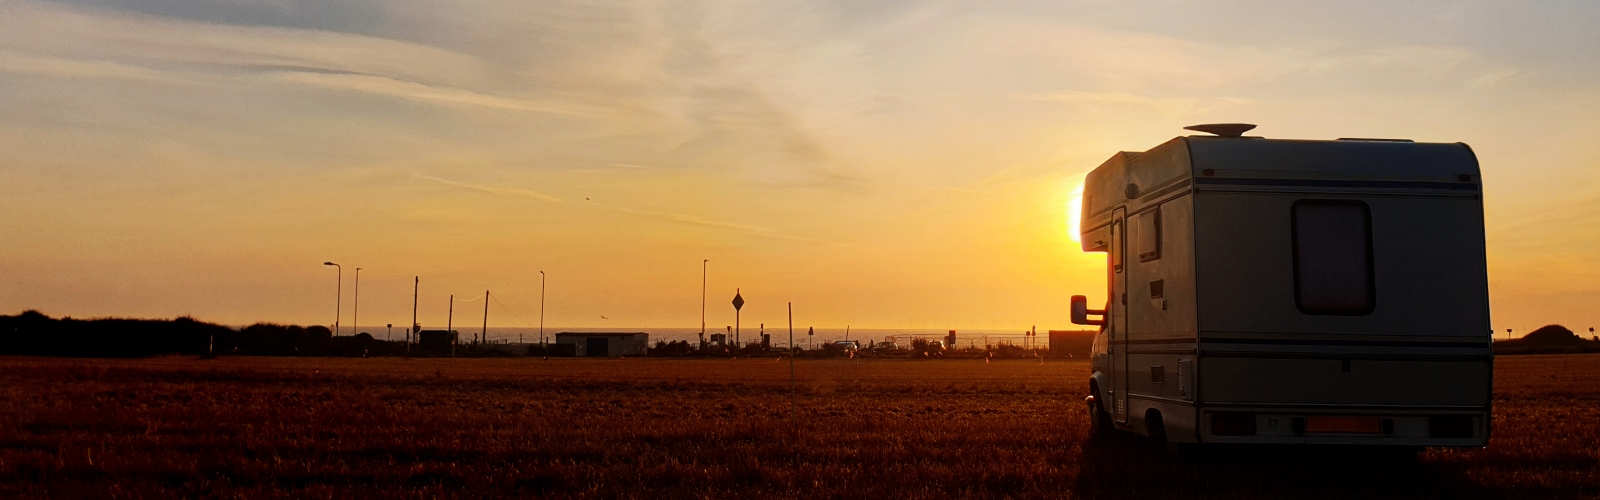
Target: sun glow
pixel 1075 213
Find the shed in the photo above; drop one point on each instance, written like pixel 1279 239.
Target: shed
pixel 602 344
pixel 1071 343
pixel 437 339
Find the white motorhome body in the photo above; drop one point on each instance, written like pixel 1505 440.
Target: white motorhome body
pixel 1289 291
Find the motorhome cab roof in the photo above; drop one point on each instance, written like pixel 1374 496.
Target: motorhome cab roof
pixel 1282 280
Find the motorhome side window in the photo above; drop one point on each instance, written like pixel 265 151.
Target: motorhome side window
pixel 1150 235
pixel 1116 245
pixel 1332 257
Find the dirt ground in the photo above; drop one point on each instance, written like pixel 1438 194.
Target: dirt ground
pixel 703 428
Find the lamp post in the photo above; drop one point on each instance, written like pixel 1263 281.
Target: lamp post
pixel 541 309
pixel 338 289
pixel 355 312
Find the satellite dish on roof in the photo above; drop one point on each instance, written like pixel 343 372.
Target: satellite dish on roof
pixel 1223 129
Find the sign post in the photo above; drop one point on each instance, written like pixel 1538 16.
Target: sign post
pixel 738 303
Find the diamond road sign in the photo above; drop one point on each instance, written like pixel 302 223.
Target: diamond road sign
pixel 738 301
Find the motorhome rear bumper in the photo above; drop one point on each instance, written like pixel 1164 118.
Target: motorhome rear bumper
pixel 1453 426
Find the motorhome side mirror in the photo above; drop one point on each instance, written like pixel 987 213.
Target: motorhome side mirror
pixel 1080 312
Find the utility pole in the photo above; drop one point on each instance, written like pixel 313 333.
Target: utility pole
pixel 415 285
pixel 449 325
pixel 794 422
pixel 485 333
pixel 541 309
pixel 703 265
pixel 355 315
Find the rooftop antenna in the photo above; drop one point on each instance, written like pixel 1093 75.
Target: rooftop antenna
pixel 1223 129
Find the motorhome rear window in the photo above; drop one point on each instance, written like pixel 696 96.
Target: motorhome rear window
pixel 1333 257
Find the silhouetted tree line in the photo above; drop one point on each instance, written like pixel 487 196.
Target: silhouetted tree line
pixel 33 333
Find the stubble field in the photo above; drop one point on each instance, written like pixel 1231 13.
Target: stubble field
pixel 702 428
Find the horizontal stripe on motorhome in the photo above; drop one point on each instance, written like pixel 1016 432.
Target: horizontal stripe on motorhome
pixel 1350 343
pixel 1330 183
pixel 1159 189
pixel 1161 351
pixel 1182 182
pixel 1339 407
pixel 1142 209
pixel 1148 397
pixel 1209 353
pixel 1179 340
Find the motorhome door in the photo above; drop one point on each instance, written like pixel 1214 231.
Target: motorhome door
pixel 1117 329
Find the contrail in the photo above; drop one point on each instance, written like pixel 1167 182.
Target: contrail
pixel 750 229
pixel 493 190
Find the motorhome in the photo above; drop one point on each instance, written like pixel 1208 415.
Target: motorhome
pixel 1290 291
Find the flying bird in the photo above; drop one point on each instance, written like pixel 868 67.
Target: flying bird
pixel 602 316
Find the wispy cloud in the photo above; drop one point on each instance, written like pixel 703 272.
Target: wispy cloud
pixel 632 166
pixel 750 229
pixel 1170 105
pixel 427 93
pixel 957 190
pixel 522 193
pixel 14 62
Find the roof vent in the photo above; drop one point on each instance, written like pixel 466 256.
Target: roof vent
pixel 1223 129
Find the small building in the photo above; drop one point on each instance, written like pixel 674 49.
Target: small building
pixel 437 339
pixel 603 344
pixel 1071 343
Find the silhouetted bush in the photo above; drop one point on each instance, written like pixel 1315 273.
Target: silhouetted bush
pixel 675 348
pixel 33 333
pixel 1548 339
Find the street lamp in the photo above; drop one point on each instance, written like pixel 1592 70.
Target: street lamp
pixel 355 312
pixel 338 289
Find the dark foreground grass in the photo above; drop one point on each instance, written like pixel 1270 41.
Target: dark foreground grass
pixel 314 428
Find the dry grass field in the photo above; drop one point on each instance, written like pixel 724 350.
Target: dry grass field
pixel 700 428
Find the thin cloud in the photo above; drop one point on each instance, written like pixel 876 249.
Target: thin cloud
pixel 749 229
pixel 1176 106
pixel 957 190
pixel 523 193
pixel 426 93
pixel 12 62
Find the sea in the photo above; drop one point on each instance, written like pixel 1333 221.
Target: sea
pixel 780 336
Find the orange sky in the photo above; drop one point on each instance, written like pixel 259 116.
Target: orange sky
pixel 879 164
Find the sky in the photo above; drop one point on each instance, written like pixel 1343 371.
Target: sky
pixel 877 164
